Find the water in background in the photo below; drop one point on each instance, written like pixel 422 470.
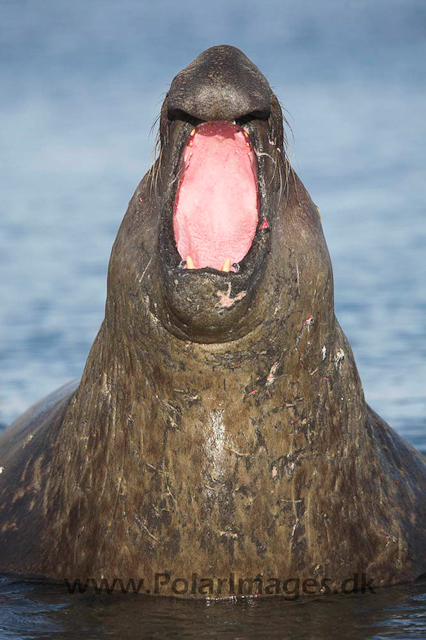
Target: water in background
pixel 81 85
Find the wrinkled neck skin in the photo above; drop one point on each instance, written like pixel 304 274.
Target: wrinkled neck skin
pixel 166 433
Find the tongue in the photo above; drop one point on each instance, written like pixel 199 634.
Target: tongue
pixel 216 209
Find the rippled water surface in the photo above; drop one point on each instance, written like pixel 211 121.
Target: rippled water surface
pixel 39 610
pixel 81 85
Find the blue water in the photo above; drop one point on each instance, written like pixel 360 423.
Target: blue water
pixel 81 85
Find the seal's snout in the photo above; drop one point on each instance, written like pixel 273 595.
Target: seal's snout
pixel 222 168
pixel 220 84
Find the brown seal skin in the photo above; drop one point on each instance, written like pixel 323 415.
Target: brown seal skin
pixel 220 424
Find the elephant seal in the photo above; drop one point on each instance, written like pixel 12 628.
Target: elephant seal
pixel 219 432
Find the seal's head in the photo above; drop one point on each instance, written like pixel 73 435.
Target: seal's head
pixel 226 210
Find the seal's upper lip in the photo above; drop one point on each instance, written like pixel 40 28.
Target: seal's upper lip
pixel 240 254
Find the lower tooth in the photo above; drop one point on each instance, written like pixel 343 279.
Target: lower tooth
pixel 226 265
pixel 190 263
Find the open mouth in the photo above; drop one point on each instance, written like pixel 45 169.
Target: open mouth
pixel 216 209
pixel 215 229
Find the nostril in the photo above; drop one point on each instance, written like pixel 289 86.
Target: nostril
pixel 183 116
pixel 260 114
pixel 179 114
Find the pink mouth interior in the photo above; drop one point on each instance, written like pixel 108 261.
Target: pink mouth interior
pixel 216 207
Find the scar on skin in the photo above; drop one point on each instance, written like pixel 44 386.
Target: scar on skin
pixel 225 298
pixel 307 324
pixel 144 527
pixel 271 376
pixel 237 453
pixel 30 437
pixel 338 358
